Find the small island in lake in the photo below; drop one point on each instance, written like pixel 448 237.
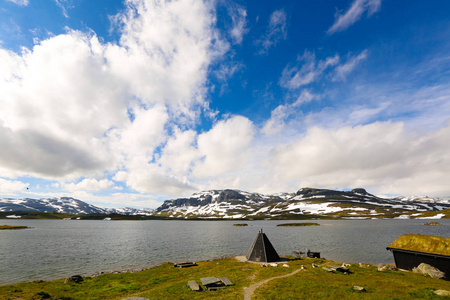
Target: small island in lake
pixel 240 224
pixel 432 223
pixel 8 227
pixel 299 224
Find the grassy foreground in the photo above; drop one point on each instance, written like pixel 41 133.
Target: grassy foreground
pixel 167 282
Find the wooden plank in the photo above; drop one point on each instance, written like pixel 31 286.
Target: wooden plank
pixel 193 285
pixel 226 281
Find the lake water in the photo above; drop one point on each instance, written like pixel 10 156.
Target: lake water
pixel 56 249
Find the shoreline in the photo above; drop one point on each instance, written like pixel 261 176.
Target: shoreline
pixel 293 276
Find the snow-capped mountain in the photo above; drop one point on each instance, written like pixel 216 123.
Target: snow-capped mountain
pixel 63 205
pixel 236 204
pixel 305 203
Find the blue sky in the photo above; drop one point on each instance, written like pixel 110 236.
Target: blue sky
pixel 128 103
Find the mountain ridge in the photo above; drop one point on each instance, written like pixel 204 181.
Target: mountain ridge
pixel 238 204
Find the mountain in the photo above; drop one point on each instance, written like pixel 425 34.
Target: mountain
pixel 63 205
pixel 305 203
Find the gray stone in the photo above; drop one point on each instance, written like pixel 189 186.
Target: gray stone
pixel 442 293
pixel 431 271
pixel 359 288
pixel 386 267
pixel 74 279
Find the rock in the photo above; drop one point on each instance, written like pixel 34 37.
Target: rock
pixel 343 270
pixel 431 271
pixel 442 293
pixel 74 279
pixel 263 265
pixel 386 267
pixel 346 265
pixel 286 265
pixel 363 265
pixel 273 265
pixel 314 265
pixel 328 269
pixel 359 288
pixel 359 191
pixel 135 298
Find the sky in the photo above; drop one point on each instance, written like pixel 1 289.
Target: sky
pixel 130 103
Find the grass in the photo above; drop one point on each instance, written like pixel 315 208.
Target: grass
pixel 167 282
pixel 423 243
pixel 299 224
pixel 8 227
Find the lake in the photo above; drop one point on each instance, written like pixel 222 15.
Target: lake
pixel 55 249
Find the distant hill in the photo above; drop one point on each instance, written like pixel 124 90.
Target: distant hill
pixel 65 205
pixel 306 203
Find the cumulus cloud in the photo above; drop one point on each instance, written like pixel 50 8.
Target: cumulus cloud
pixel 276 31
pixel 89 184
pixel 11 187
pixel 381 156
pixel 354 13
pixel 223 148
pixel 72 105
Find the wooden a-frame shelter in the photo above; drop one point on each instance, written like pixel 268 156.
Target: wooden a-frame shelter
pixel 262 250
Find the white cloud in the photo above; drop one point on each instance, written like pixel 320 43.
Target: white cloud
pixel 89 184
pixel 287 113
pixel 65 5
pixel 294 76
pixel 73 106
pixel 10 187
pixel 382 157
pixel 20 2
pixel 354 13
pixel 276 31
pixel 223 148
pixel 239 28
pixel 308 70
pixel 343 70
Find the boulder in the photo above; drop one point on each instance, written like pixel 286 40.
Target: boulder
pixel 431 271
pixel 386 267
pixel 442 293
pixel 345 265
pixel 359 288
pixel 74 279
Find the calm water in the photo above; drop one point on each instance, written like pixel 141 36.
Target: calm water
pixel 55 249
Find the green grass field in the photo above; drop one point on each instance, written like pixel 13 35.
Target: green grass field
pixel 167 282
